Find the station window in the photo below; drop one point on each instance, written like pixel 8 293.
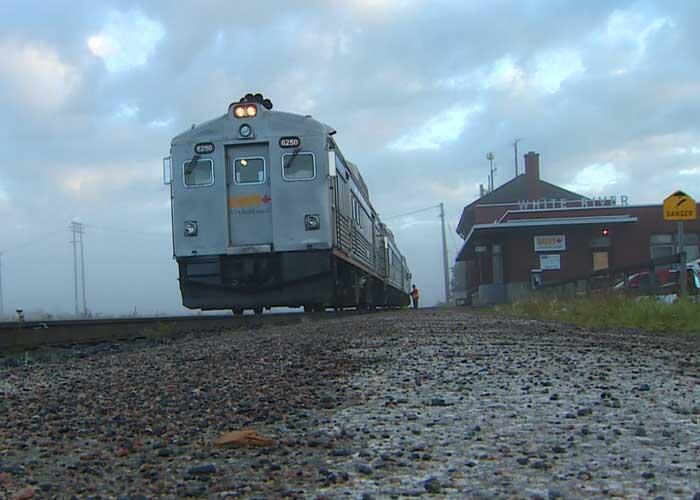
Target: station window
pixel 661 245
pixel 691 246
pixel 249 170
pixel 198 173
pixel 298 166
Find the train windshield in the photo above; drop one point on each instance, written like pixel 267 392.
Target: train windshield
pixel 249 170
pixel 198 172
pixel 298 166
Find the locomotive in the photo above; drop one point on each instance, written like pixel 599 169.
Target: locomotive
pixel 267 211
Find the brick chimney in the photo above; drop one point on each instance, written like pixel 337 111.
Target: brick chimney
pixel 532 166
pixel 532 175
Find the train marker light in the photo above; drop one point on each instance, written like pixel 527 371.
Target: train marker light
pixel 245 130
pixel 191 228
pixel 606 232
pixel 312 222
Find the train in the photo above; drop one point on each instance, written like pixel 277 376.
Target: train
pixel 268 212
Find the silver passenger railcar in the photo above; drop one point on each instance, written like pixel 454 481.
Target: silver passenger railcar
pixel 267 211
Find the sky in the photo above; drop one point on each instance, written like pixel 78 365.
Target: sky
pixel 91 93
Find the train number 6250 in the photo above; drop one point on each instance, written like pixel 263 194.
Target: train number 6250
pixel 290 142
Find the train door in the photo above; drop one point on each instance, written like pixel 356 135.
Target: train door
pixel 249 201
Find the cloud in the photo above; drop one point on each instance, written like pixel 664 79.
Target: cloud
pixel 126 41
pixel 35 75
pixel 596 179
pixel 86 184
pixel 127 111
pixel 505 72
pixel 550 69
pixel 554 67
pixel 161 123
pixel 444 128
pixel 630 31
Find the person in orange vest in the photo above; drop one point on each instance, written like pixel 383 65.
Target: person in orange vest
pixel 415 295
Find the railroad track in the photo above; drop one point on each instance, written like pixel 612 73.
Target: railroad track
pixel 27 335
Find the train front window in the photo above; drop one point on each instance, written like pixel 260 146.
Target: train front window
pixel 249 170
pixel 198 173
pixel 298 166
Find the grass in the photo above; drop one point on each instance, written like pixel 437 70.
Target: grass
pixel 611 310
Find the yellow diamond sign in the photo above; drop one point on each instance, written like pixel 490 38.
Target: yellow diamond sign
pixel 680 206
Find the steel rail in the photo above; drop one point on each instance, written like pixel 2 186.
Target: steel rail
pixel 27 335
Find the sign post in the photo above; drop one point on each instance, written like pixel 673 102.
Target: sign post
pixel 680 207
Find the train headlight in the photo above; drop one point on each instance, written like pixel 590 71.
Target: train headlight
pixel 245 130
pixel 239 111
pixel 312 222
pixel 191 228
pixel 245 110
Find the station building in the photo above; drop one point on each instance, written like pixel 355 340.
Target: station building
pixel 529 232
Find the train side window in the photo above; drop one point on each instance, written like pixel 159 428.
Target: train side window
pixel 198 173
pixel 249 170
pixel 298 167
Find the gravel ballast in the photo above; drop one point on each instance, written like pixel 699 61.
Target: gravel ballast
pixel 433 403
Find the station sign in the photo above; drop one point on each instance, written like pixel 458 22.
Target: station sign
pixel 679 207
pixel 550 243
pixel 556 203
pixel 550 261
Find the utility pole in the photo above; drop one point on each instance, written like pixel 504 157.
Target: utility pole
pixel 74 241
pixel 77 230
pixel 82 270
pixel 515 147
pixel 445 267
pixel 490 157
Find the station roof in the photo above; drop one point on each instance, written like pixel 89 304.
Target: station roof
pixel 516 224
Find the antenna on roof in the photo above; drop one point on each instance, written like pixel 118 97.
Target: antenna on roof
pixel 515 147
pixel 490 157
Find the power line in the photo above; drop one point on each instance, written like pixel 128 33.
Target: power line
pixel 455 245
pixel 406 214
pixel 445 267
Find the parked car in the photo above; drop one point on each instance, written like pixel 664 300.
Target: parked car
pixel 642 282
pixel 667 281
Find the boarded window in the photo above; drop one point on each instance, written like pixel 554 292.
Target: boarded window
pixel 249 170
pixel 298 166
pixel 600 261
pixel 198 173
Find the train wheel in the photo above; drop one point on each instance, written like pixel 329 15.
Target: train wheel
pixel 319 308
pixel 258 310
pixel 238 311
pixel 308 308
